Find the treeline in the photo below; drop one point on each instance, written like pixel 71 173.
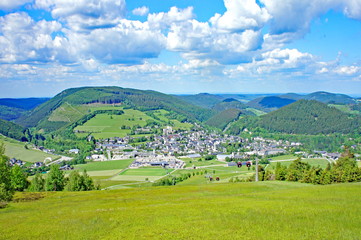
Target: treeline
pixel 344 170
pixel 15 179
pixel 173 180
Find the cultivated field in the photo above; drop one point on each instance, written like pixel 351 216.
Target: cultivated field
pixel 263 210
pixel 312 161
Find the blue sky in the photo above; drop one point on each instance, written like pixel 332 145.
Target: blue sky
pixel 180 46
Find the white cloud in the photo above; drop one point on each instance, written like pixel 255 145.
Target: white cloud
pixel 24 40
pixel 85 14
pixel 165 19
pixel 291 19
pixel 8 5
pixel 141 11
pixel 241 15
pixel 347 70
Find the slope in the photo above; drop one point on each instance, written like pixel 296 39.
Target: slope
pixel 205 100
pixel 309 117
pixel 76 98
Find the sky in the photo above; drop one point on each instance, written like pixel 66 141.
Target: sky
pixel 180 46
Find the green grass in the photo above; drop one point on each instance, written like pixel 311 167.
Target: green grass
pixel 284 157
pixel 106 165
pixel 256 111
pixel 190 162
pixel 106 126
pixel 14 149
pixel 68 113
pixel 345 108
pixel 313 162
pixel 146 172
pixel 264 210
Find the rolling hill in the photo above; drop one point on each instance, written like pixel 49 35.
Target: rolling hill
pixel 12 130
pixel 303 117
pixel 204 100
pixel 228 103
pixel 13 108
pixel 271 103
pixel 72 104
pixel 222 119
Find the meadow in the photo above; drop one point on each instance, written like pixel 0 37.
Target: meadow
pixel 15 149
pixel 105 165
pixel 263 210
pixel 106 126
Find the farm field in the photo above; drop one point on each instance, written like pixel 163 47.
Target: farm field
pixel 106 126
pixel 105 165
pixel 14 149
pixel 284 157
pixel 146 172
pixel 190 162
pixel 227 211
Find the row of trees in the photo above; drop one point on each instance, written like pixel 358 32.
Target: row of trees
pixel 15 179
pixel 344 170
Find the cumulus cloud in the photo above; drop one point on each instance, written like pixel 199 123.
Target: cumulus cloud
pixel 165 19
pixel 24 40
pixel 142 11
pixel 291 19
pixel 128 42
pixel 8 5
pixel 85 14
pixel 241 15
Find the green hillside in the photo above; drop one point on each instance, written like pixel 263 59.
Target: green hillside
pixel 12 130
pixel 71 104
pixel 13 108
pixel 205 100
pixel 264 210
pixel 302 117
pixel 269 103
pixel 222 119
pixel 228 104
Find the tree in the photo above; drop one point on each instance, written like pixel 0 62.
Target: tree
pixel 75 182
pixel 6 189
pixel 37 184
pixel 55 179
pixel 87 181
pixel 18 179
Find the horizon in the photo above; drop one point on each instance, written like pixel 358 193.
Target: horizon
pixel 239 46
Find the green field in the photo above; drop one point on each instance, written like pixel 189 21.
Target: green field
pixel 263 210
pixel 190 162
pixel 15 149
pixel 146 172
pixel 105 165
pixel 284 157
pixel 106 126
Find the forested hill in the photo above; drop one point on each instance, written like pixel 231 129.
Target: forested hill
pixel 303 117
pixel 205 100
pixel 309 117
pixel 12 130
pixel 137 99
pixel 13 108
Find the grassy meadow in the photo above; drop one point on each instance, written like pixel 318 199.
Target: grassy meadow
pixel 321 162
pixel 263 210
pixel 15 149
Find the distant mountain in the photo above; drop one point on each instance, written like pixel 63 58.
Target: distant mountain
pixel 305 117
pixel 204 100
pixel 269 104
pixel 22 103
pixel 13 108
pixel 74 98
pixel 228 103
pixel 327 97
